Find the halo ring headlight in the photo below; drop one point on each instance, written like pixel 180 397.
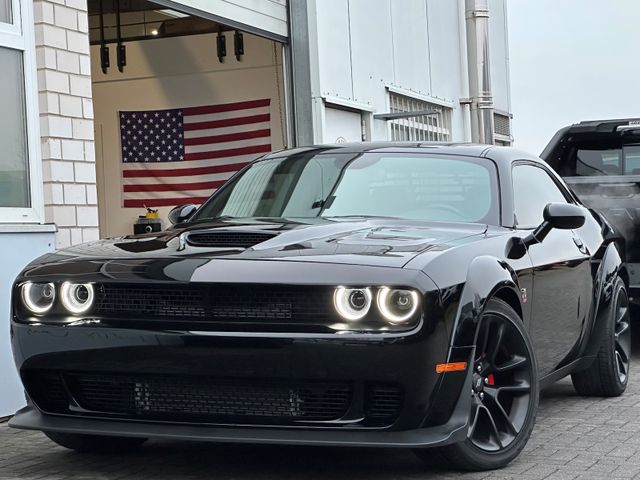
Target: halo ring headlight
pixel 397 305
pixel 77 298
pixel 352 303
pixel 38 297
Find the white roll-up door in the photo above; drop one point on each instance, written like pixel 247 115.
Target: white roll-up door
pixel 266 18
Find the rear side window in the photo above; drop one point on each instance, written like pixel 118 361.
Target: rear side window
pixel 533 189
pixel 587 162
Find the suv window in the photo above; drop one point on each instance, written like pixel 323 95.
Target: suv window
pixel 586 162
pixel 533 189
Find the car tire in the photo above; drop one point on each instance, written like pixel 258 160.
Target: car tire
pixel 608 375
pixel 470 454
pixel 95 443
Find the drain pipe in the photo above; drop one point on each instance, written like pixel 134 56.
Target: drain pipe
pixel 480 94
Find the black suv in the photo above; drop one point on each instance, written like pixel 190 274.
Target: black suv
pixel 600 161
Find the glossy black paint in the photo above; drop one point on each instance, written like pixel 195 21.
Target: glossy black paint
pixel 559 286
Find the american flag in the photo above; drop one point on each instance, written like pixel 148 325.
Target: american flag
pixel 181 155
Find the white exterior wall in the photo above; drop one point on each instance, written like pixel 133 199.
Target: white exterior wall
pixel 416 46
pixel 66 119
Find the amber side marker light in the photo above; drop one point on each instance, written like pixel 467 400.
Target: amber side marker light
pixel 451 367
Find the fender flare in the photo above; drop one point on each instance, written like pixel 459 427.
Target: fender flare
pixel 485 276
pixel 609 269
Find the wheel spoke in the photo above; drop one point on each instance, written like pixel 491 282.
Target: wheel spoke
pixel 621 314
pixel 474 422
pixel 500 413
pixel 522 386
pixel 496 345
pixel 621 364
pixel 515 362
pixel 494 427
pixel 622 328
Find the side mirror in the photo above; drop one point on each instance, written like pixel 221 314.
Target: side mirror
pixel 180 213
pixel 563 216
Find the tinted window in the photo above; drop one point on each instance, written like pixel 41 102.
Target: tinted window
pixel 417 187
pixel 590 161
pixel 533 189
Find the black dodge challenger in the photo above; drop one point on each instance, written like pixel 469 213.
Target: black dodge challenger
pixel 370 295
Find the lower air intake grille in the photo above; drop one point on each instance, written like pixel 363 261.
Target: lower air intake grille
pixel 207 400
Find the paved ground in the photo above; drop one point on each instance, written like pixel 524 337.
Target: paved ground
pixel 574 437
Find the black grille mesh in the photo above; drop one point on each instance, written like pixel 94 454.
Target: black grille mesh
pixel 219 302
pixel 229 239
pixel 212 399
pixel 205 399
pixel 383 401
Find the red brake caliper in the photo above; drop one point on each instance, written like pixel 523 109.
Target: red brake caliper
pixel 490 380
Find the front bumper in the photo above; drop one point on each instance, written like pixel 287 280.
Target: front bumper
pixel 432 411
pixel 455 430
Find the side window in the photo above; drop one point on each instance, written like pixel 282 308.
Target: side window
pixel 533 189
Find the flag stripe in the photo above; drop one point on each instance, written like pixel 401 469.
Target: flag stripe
pixel 162 202
pixel 212 177
pixel 183 172
pixel 240 159
pixel 174 187
pixel 214 117
pixel 207 147
pixel 229 122
pixel 230 137
pixel 226 130
pixel 231 152
pixel 226 107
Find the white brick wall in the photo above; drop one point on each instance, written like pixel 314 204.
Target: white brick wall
pixel 66 119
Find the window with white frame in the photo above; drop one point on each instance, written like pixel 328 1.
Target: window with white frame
pixel 434 126
pixel 20 172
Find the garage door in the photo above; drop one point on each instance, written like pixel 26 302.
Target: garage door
pixel 267 18
pixel 342 126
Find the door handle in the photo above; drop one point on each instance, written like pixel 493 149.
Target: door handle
pixel 580 244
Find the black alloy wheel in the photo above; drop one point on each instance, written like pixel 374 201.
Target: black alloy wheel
pixel 504 394
pixel 622 336
pixel 501 384
pixel 608 374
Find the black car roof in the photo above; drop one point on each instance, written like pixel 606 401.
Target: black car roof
pixel 466 149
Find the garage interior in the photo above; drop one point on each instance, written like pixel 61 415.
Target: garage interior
pixel 171 59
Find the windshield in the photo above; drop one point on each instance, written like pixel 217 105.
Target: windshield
pixel 407 186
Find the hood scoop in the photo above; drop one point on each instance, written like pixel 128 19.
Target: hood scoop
pixel 228 238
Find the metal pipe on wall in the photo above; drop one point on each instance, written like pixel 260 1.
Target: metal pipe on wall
pixel 480 94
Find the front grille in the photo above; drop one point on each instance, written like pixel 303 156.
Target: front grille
pixel 230 239
pixel 200 399
pixel 217 302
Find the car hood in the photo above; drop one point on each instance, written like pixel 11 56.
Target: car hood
pixel 362 241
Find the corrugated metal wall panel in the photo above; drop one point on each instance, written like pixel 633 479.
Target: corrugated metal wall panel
pixel 267 18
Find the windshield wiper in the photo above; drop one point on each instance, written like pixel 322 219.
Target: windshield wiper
pixel 359 216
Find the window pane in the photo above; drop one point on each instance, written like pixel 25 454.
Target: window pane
pixel 14 177
pixel 5 11
pixel 533 189
pixel 598 162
